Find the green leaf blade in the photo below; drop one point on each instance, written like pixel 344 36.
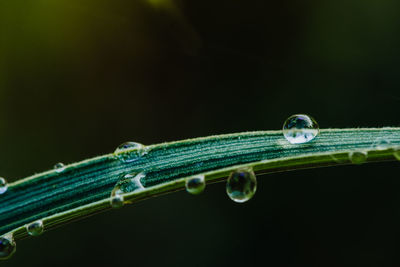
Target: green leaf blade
pixel 83 188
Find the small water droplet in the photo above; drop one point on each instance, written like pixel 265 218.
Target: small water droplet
pixel 35 228
pixel 195 185
pixel 241 185
pixel 7 246
pixel 300 128
pixel 128 183
pixel 130 151
pixel 128 146
pixel 59 167
pixel 117 200
pixel 358 157
pixel 3 185
pixel 381 144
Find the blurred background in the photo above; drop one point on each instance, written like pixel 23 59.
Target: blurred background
pixel 77 78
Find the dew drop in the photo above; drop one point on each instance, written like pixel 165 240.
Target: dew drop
pixel 130 151
pixel 3 185
pixel 358 157
pixel 128 146
pixel 128 183
pixel 35 228
pixel 59 167
pixel 131 182
pixel 195 185
pixel 7 247
pixel 241 185
pixel 300 128
pixel 381 144
pixel 116 201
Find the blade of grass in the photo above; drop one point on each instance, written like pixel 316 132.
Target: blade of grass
pixel 83 188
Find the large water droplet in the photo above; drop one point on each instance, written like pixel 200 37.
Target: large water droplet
pixel 129 183
pixel 241 185
pixel 358 157
pixel 130 151
pixel 7 247
pixel 195 185
pixel 300 128
pixel 59 167
pixel 3 185
pixel 35 228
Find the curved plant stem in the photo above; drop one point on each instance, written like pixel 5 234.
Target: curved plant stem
pixel 84 188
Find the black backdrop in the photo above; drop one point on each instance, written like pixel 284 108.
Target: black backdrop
pixel 77 78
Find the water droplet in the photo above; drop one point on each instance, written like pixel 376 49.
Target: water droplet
pixel 35 228
pixel 59 167
pixel 241 185
pixel 358 157
pixel 131 182
pixel 130 151
pixel 300 128
pixel 3 185
pixel 117 200
pixel 128 183
pixel 195 185
pixel 7 247
pixel 128 146
pixel 381 144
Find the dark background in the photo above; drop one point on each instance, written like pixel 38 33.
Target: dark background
pixel 77 78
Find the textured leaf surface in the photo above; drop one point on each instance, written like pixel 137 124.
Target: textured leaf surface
pixel 84 188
